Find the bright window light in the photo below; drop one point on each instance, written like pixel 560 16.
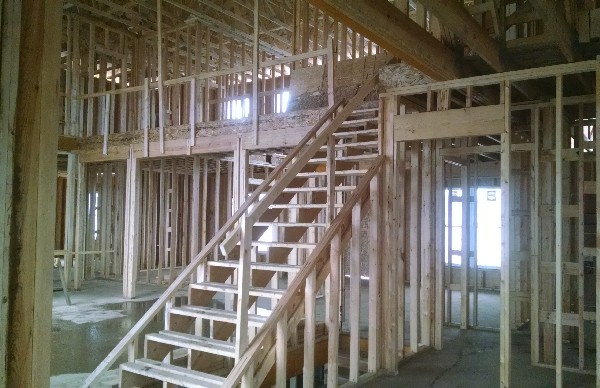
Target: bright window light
pixel 488 227
pixel 281 103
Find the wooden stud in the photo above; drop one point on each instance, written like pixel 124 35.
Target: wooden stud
pixel 465 256
pixel 161 74
pixel 559 223
pixel 375 228
pixel 132 209
pixel 281 352
pixel 505 323
pixel 255 65
pixel 535 239
pixel 308 369
pixel 597 161
pixel 355 294
pixel 333 319
pixel 30 45
pixel 414 245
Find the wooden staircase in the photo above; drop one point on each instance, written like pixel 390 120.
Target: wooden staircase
pixel 233 328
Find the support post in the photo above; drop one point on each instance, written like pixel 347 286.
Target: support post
pixel 255 105
pixel 505 145
pixel 558 238
pixel 30 37
pixel 131 243
pixel 597 144
pixel 390 262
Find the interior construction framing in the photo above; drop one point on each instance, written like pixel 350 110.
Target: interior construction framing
pixel 549 179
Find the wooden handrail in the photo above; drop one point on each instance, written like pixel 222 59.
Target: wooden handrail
pixel 169 293
pixel 307 154
pixel 295 286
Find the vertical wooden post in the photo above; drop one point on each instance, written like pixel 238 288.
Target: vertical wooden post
pixel 559 220
pixel 132 210
pixel 355 294
pixel 70 215
pixel 195 217
pixel 281 353
pixel 241 333
pixel 390 262
pixel 161 69
pixel 30 37
pixel 309 330
pixel 439 248
pixel 414 250
pixel 80 225
pixel 192 117
pixel 374 274
pixel 465 247
pixel 597 146
pixel 146 116
pixel 10 32
pixel 333 319
pixel 255 105
pixel 427 235
pixel 330 74
pixel 535 240
pixel 505 146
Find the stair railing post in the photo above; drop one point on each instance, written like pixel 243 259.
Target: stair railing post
pixel 330 167
pixel 241 337
pixel 132 350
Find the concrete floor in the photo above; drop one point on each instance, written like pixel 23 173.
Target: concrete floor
pixel 84 333
pixel 471 359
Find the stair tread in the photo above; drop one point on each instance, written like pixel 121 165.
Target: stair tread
pixel 292 224
pixel 337 173
pixel 370 143
pixel 172 373
pixel 352 122
pixel 232 288
pixel 216 314
pixel 346 134
pixel 345 158
pixel 190 341
pixel 256 265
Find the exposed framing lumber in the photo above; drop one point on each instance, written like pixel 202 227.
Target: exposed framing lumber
pixel 454 16
pixel 382 22
pixel 505 165
pixel 558 282
pixel 10 32
pixel 132 219
pixel 557 25
pixel 390 263
pixel 597 160
pixel 30 35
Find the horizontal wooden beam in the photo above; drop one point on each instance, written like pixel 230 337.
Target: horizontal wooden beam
pixel 454 16
pixel 479 121
pixel 556 24
pixel 386 25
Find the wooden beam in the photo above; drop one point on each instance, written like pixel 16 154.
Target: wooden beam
pixel 479 121
pixel 30 38
pixel 454 16
pixel 556 24
pixel 386 25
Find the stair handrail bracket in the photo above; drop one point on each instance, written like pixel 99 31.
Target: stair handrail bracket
pixel 319 257
pixel 252 208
